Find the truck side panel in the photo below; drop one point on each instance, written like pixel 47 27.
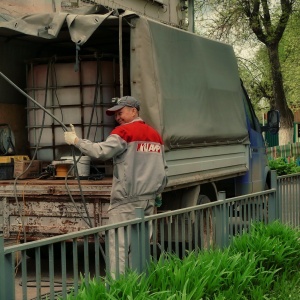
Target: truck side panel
pixel 190 92
pixel 202 164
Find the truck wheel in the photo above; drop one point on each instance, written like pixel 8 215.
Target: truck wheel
pixel 203 225
pixel 203 199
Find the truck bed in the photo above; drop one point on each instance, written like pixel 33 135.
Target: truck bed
pixel 193 166
pixel 47 208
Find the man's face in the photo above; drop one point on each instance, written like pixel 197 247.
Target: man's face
pixel 126 115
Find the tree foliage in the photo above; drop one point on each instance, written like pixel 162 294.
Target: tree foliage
pixel 256 71
pixel 258 26
pixel 289 51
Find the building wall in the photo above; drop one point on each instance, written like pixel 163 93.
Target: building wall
pixel 12 65
pixel 12 102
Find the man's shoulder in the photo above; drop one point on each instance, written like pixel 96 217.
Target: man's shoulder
pixel 137 131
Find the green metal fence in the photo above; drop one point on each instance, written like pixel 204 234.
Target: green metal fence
pixel 271 139
pixel 84 254
pixel 285 151
pixel 288 190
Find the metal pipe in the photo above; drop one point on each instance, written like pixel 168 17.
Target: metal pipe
pixel 191 15
pixel 35 102
pixel 121 55
pixel 53 6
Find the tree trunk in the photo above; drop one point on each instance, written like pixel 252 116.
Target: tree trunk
pixel 280 103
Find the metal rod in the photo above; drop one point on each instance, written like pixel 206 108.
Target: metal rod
pixel 191 15
pixel 121 55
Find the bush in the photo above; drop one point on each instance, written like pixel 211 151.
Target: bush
pixel 283 167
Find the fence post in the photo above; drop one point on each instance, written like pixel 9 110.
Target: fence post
pixel 274 207
pixel 140 242
pixel 222 216
pixel 7 288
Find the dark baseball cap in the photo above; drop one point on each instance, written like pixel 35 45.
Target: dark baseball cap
pixel 122 102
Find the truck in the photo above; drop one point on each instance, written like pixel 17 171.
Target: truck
pixel 70 66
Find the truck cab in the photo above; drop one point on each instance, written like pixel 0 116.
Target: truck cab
pixel 256 178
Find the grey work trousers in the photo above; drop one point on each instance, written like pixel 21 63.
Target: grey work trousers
pixel 119 241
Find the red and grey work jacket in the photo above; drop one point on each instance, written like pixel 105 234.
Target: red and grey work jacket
pixel 139 163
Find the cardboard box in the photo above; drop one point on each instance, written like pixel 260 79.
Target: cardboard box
pixel 7 165
pixel 34 170
pixel 9 159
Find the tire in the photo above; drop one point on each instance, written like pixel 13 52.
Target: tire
pixel 203 236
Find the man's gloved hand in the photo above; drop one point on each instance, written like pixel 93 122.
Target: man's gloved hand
pixel 70 136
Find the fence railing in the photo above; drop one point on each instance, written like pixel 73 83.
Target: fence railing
pixel 288 189
pixel 54 266
pixel 286 151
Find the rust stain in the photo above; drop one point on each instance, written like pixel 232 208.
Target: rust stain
pixel 69 222
pixel 51 190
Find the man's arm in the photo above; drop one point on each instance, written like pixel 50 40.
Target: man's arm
pixel 114 145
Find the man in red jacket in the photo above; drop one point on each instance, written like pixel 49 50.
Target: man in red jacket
pixel 139 175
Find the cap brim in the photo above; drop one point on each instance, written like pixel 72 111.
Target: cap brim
pixel 111 111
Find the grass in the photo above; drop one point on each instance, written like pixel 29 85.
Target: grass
pixel 262 264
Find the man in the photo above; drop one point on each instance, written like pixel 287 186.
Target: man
pixel 139 175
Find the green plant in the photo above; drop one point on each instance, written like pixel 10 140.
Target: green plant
pixel 260 264
pixel 276 246
pixel 283 167
pixel 286 287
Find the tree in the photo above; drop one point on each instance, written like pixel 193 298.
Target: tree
pixel 255 73
pixel 289 52
pixel 265 21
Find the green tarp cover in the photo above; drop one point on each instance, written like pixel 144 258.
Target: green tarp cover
pixel 188 85
pixel 81 23
pixel 47 26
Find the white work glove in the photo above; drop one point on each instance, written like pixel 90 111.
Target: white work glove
pixel 70 136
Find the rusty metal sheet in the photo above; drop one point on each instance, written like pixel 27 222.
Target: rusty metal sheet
pixel 55 187
pixel 47 209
